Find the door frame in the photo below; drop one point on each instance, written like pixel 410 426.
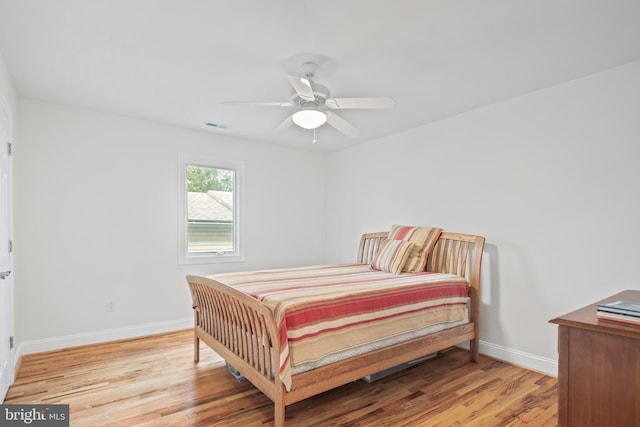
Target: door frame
pixel 8 307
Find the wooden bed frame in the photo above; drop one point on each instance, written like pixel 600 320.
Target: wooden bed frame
pixel 243 331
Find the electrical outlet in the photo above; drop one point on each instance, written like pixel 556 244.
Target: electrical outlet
pixel 111 306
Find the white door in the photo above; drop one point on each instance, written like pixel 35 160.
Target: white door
pixel 6 290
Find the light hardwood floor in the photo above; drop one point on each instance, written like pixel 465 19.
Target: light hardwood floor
pixel 153 381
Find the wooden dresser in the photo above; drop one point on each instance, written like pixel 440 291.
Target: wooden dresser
pixel 598 368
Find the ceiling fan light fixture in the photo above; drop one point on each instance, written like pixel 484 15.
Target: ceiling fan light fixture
pixel 309 119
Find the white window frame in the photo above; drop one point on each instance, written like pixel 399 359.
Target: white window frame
pixel 184 257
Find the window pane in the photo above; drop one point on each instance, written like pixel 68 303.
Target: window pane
pixel 210 209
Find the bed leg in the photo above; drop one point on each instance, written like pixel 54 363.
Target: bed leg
pixel 279 405
pixel 474 350
pixel 196 347
pixel 278 415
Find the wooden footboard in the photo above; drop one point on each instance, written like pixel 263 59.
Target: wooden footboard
pixel 244 332
pixel 240 329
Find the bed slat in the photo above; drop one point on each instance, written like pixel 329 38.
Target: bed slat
pixel 369 245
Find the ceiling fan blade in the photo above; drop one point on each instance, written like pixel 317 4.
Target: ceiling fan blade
pixel 260 103
pixel 302 87
pixel 286 124
pixel 351 103
pixel 342 125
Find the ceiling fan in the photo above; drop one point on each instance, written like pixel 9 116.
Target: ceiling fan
pixel 314 107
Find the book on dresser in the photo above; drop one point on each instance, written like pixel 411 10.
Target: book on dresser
pixel 622 311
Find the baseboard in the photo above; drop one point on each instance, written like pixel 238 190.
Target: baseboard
pixel 520 358
pixel 56 343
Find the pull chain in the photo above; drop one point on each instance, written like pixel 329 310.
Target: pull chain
pixel 314 136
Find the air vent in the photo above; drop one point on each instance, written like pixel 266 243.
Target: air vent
pixel 216 125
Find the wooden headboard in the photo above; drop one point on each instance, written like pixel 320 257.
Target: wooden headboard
pixel 454 253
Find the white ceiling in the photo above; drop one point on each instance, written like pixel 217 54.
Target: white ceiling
pixel 177 61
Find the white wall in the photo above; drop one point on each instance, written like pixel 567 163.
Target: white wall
pixel 7 92
pixel 551 179
pixel 96 221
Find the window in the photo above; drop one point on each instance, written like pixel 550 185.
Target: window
pixel 210 207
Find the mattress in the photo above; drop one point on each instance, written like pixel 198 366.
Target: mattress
pixel 328 313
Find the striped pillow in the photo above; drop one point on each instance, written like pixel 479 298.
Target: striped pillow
pixel 424 239
pixel 392 256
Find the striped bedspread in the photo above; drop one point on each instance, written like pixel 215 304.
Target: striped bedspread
pixel 327 310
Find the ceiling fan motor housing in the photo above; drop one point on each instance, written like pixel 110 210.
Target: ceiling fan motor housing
pixel 320 93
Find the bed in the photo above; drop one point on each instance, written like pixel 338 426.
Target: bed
pixel 245 316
